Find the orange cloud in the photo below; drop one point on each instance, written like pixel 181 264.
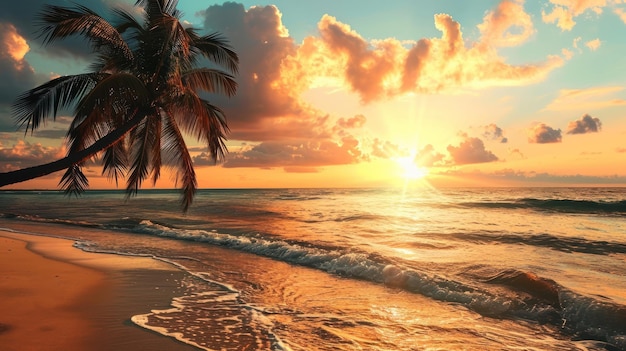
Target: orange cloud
pixel 354 122
pixel 428 157
pixel 564 11
pixel 290 154
pixel 24 154
pixel 586 99
pixel 16 75
pixel 471 150
pixel 386 68
pixel 12 43
pixel 507 25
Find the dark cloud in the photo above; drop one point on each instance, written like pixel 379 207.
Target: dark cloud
pixel 543 134
pixel 586 124
pixel 493 132
pixel 50 133
pixel 24 154
pixel 471 150
pixel 267 105
pixel 289 154
pixel 23 15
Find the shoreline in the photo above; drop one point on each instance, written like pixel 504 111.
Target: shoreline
pixel 54 296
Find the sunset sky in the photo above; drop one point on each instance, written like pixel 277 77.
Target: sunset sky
pixel 372 93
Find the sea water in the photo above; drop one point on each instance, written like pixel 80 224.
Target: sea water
pixel 369 269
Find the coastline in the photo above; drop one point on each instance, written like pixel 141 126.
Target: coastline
pixel 54 296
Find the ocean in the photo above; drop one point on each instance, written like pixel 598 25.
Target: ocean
pixel 368 269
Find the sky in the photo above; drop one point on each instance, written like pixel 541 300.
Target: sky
pixel 371 93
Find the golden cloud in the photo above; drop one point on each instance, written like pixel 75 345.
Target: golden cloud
pixel 386 68
pixel 507 25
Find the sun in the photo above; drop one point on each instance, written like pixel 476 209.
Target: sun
pixel 410 170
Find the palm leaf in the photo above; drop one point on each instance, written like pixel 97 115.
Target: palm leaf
pixel 60 22
pixel 176 153
pixel 109 103
pixel 74 182
pixel 142 145
pixel 206 121
pixel 217 49
pixel 34 106
pixel 115 161
pixel 210 80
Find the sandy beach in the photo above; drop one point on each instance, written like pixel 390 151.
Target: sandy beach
pixel 56 297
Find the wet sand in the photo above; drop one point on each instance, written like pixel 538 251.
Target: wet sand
pixel 56 297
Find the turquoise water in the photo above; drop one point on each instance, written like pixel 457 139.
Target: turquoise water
pixel 370 269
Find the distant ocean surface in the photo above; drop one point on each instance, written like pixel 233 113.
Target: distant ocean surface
pixel 369 269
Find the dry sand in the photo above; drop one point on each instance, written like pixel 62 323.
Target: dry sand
pixel 56 297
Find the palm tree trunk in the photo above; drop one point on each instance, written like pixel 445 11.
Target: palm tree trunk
pixel 29 173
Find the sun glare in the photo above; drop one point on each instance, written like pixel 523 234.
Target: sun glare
pixel 410 170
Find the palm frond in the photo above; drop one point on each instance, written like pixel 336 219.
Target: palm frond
pixel 74 182
pixel 107 105
pixel 217 49
pixel 59 22
pixel 34 106
pixel 156 150
pixel 126 21
pixel 176 153
pixel 210 80
pixel 142 145
pixel 216 134
pixel 115 93
pixel 204 120
pixel 115 161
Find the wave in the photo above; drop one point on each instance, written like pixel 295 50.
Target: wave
pixel 513 294
pixel 563 244
pixel 526 295
pixel 555 205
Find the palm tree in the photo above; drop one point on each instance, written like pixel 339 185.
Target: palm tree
pixel 140 96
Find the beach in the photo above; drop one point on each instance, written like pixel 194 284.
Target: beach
pixel 56 297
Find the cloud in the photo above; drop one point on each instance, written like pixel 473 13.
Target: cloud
pixel 24 154
pixel 564 11
pixel 16 75
pixel 593 45
pixel 507 25
pixel 428 157
pixel 471 150
pixel 290 154
pixel 22 14
pixel 509 176
pixel 621 13
pixel 516 153
pixel 543 134
pixel 586 124
pixel 381 69
pixel 354 122
pixel 267 105
pixel 386 149
pixel 493 132
pixel 586 99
